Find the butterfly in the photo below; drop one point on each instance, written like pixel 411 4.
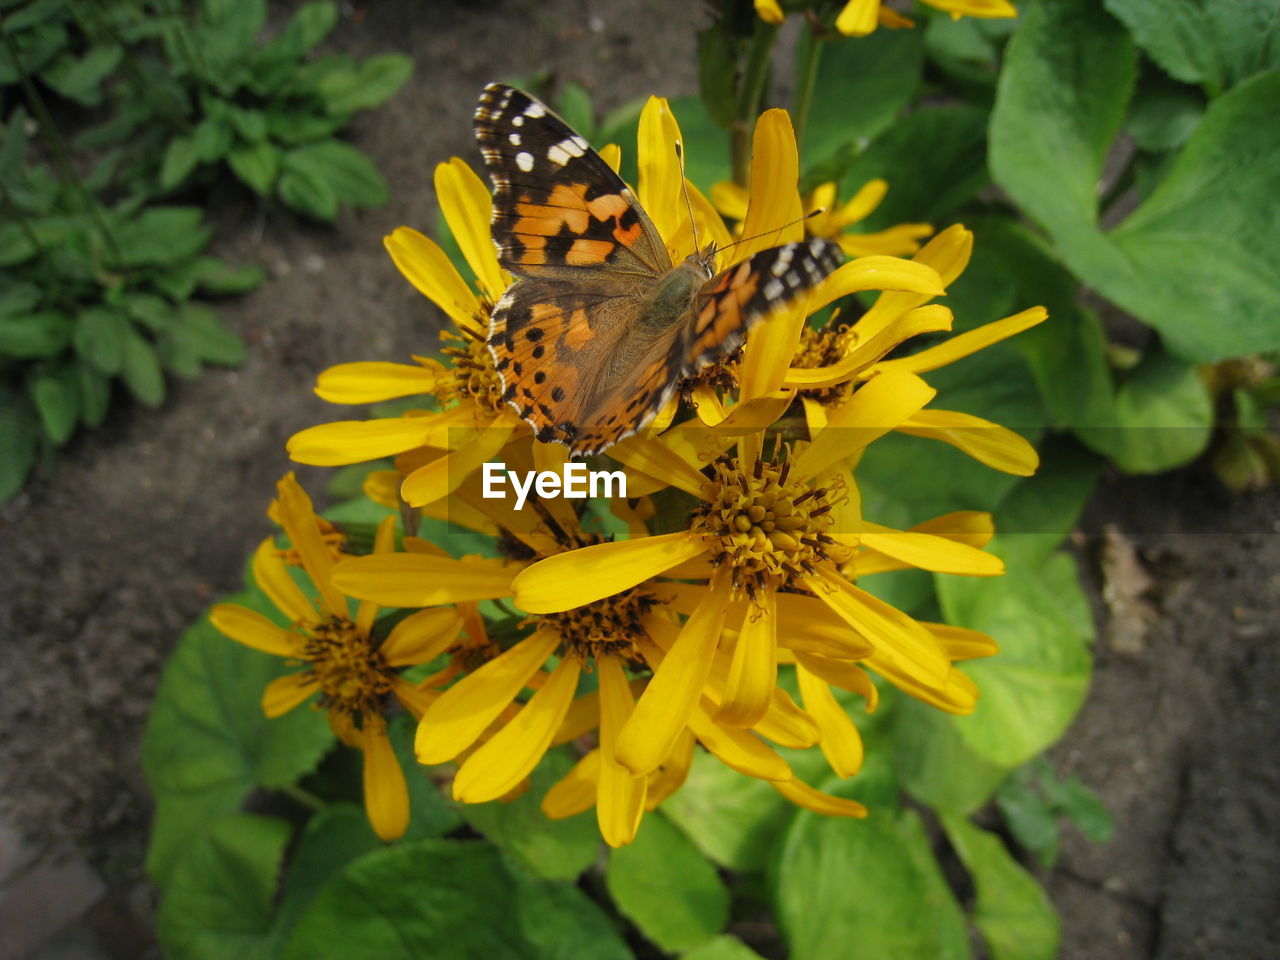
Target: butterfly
pixel 600 328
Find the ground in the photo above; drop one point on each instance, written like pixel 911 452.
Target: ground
pixel 138 526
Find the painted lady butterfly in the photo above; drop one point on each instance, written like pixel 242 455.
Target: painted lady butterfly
pixel 600 329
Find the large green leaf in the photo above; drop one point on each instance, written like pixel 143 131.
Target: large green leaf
pixel 43 334
pixel 56 394
pixel 256 165
pixel 208 743
pixel 367 85
pixel 219 901
pixel 662 884
pixel 99 338
pixel 560 849
pixel 449 901
pixel 850 889
pixel 19 439
pixel 1210 42
pixel 934 762
pixel 141 370
pixel 80 78
pixel 345 170
pixel 1012 911
pixel 309 25
pixel 160 235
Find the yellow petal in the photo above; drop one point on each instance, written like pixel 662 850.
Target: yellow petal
pixel 896 636
pixel 754 668
pixel 807 624
pixel 862 203
pixel 412 697
pixel 947 253
pixel 770 347
pixel 877 273
pixel 845 675
pixel 428 268
pixel 442 477
pixel 463 712
pixel 299 520
pixel 373 381
pixel 588 574
pixel 651 455
pixel 896 241
pixel 384 541
pixel 421 580
pixel 674 691
pixel 620 800
pixel 871 412
pixel 730 199
pixel 284 693
pixel 959 695
pixel 611 154
pixel 467 208
pixel 786 724
pixel 575 791
pixel 383 488
pixel 272 575
pixel 421 637
pixel 858 18
pixel 961 643
pixel 841 744
pixel 893 20
pixel 803 795
pixel 769 11
pixel 512 753
pixel 974 527
pixel 670 777
pixel 927 319
pixel 354 441
pixel 929 552
pixel 773 208
pixel 989 443
pixel 386 795
pixel 963 344
pixel 252 629
pixel 660 176
pixel 740 750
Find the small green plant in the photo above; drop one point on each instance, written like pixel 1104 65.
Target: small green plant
pixel 55 41
pixel 89 295
pixel 222 100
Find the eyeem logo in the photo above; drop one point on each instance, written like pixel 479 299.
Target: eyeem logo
pixel 577 483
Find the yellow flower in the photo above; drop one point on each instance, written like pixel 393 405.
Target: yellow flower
pixel 860 17
pixel 473 423
pixel 354 673
pixel 771 535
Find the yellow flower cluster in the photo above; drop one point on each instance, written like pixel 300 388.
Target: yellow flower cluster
pixel 638 649
pixel 857 18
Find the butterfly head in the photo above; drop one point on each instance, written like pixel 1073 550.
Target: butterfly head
pixel 704 261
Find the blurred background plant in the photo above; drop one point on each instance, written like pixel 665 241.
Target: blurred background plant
pixel 164 100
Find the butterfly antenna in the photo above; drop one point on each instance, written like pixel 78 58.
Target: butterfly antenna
pixel 811 213
pixel 684 186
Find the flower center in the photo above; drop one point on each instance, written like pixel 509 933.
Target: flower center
pixel 354 678
pixel 769 528
pixel 822 348
pixel 608 627
pixel 471 375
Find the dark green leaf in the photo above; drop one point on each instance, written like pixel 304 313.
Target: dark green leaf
pixel 370 83
pixel 80 78
pixel 663 885
pixel 309 25
pixel 1013 912
pixel 16 245
pixel 430 813
pixel 214 343
pixel 308 194
pixel 574 107
pixel 160 236
pixel 250 124
pixel 1084 808
pixel 256 164
pixel 57 399
pixel 95 394
pixel 208 743
pixel 219 901
pixel 100 337
pixel 1031 820
pixel 36 49
pixel 34 14
pixel 225 37
pixel 1163 115
pixel 221 278
pixel 1036 516
pixel 717 71
pixel 935 764
pixel 436 898
pixel 212 139
pixel 1216 43
pixel 153 312
pixel 350 175
pixel 19 298
pixel 35 335
pixel 180 158
pixel 19 440
pixel 291 125
pixel 721 948
pixel 141 371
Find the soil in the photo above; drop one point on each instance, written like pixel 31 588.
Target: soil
pixel 139 525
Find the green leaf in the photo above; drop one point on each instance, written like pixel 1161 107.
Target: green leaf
pixel 430 813
pixel 345 170
pixel 250 124
pixel 95 394
pixel 180 158
pixel 574 107
pixel 309 25
pixel 1163 417
pixel 153 312
pixel 161 235
pixel 934 762
pixel 219 901
pixel 721 948
pixel 1163 115
pixel 1031 690
pixel 221 278
pixel 1038 514
pixel 141 371
pixel 933 161
pixel 256 164
pixel 16 245
pixel 57 398
pixel 1030 818
pixel 213 341
pixel 1084 808
pixel 208 743
pixel 1012 911
pixel 558 849
pixel 19 298
pixel 80 78
pixel 99 338
pixel 19 440
pixel 309 195
pixel 370 83
pixel 1214 43
pixel 717 70
pixel 43 334
pixel 662 884
pixel 436 898
pixel 872 885
pixel 291 125
pixel 212 139
pixel 863 82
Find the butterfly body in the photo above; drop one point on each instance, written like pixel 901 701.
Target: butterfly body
pixel 600 328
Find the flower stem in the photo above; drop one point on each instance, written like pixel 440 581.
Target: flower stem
pixel 303 797
pixel 811 45
pixel 751 97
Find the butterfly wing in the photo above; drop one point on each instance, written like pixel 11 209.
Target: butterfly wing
pixel 559 211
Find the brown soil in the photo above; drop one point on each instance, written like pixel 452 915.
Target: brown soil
pixel 140 524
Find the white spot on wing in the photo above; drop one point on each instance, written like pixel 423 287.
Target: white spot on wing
pixel 515 139
pixel 558 155
pixel 517 121
pixel 774 289
pixel 784 260
pixel 524 160
pixel 535 110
